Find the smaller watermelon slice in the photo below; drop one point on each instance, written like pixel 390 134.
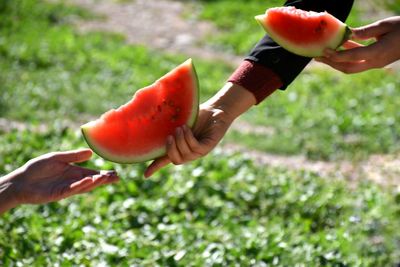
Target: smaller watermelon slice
pixel 305 33
pixel 137 131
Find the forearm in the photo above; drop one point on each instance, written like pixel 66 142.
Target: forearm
pixel 233 100
pixel 8 192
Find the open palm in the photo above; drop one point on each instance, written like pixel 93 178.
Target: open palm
pixel 52 177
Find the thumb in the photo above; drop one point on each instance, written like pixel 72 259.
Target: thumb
pixel 72 156
pixel 156 165
pixel 372 30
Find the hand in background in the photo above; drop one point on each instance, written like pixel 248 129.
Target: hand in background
pixel 214 119
pixel 358 58
pixel 51 177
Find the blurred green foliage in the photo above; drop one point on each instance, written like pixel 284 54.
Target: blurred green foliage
pixel 328 115
pixel 218 211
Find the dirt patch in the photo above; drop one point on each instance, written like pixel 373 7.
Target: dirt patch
pixel 247 128
pixel 157 24
pixel 381 169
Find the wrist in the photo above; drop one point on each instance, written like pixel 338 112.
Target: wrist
pixel 232 101
pixel 9 191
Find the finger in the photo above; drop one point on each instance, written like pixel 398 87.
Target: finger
pixel 181 144
pixel 99 181
pixel 78 185
pixel 347 67
pixel 372 30
pixel 156 165
pixel 78 155
pixel 349 44
pixel 84 185
pixel 68 190
pixel 193 143
pixel 351 55
pixel 77 171
pixel 173 152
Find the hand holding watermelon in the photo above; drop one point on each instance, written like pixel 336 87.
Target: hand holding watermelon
pixel 304 33
pixel 214 119
pixel 359 58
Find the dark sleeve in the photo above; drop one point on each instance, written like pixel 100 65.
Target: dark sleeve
pixel 286 64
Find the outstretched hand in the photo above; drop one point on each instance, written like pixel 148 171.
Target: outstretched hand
pixel 357 58
pixel 52 177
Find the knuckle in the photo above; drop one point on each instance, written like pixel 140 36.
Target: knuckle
pixel 177 162
pixel 347 71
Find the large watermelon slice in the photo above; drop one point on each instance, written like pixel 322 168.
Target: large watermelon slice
pixel 305 33
pixel 137 131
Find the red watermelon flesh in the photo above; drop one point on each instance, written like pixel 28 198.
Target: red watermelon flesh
pixel 137 131
pixel 306 33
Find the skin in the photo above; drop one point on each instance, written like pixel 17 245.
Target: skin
pixel 380 53
pixel 51 177
pixel 215 117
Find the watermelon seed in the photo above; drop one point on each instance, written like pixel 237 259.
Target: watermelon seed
pixel 178 110
pixel 171 103
pixel 159 108
pixel 174 117
pixel 321 26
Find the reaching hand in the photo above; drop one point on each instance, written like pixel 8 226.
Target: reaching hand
pixel 52 177
pixel 187 145
pixel 358 58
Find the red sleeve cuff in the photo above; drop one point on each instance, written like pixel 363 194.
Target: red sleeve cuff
pixel 259 80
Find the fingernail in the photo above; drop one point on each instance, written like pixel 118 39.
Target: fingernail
pixel 108 173
pixel 96 177
pixel 178 131
pixel 170 140
pixel 184 127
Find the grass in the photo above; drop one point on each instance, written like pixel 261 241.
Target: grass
pixel 218 211
pixel 328 115
pixel 60 73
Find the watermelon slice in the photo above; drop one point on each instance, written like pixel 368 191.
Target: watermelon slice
pixel 137 131
pixel 305 33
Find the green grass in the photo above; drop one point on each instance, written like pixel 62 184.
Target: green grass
pixel 392 5
pixel 218 211
pixel 330 116
pixel 49 68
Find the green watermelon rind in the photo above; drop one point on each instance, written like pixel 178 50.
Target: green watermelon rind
pixel 336 41
pixel 156 153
